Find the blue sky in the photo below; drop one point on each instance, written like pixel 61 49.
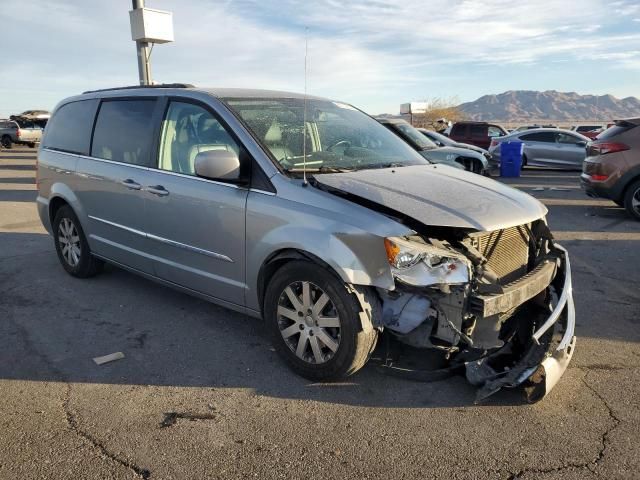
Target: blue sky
pixel 375 54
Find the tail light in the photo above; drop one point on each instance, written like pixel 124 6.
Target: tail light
pixel 18 133
pixel 598 178
pixel 603 148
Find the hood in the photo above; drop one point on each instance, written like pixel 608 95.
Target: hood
pixel 457 151
pixel 470 147
pixel 438 195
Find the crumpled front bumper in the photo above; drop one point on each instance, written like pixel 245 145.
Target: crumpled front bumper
pixel 545 377
pixel 546 358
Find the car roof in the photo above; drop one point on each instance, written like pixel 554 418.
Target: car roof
pixel 553 130
pixel 216 92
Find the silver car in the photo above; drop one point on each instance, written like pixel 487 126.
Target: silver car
pixel 310 214
pixel 547 147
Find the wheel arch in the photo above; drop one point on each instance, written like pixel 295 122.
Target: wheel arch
pixel 371 312
pixel 60 195
pixel 619 190
pixel 278 259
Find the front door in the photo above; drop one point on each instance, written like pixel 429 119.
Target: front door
pixel 196 226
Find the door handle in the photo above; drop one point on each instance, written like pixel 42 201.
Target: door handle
pixel 158 190
pixel 130 184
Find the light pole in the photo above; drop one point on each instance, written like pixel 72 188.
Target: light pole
pixel 148 26
pixel 142 48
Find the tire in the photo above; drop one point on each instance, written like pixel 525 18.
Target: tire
pixel 632 200
pixel 77 259
pixel 524 162
pixel 341 346
pixel 32 145
pixel 6 141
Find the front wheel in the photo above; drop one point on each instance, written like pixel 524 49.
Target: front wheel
pixel 6 141
pixel 32 145
pixel 632 200
pixel 314 322
pixel 71 245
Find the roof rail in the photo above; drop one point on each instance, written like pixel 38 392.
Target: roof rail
pixel 131 87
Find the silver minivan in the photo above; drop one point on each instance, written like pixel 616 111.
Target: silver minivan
pixel 310 214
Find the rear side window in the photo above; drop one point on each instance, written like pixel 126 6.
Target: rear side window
pixel 478 130
pixel 548 137
pixel 460 130
pixel 124 130
pixel 619 128
pixel 70 128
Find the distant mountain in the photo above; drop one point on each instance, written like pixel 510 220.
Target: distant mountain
pixel 527 105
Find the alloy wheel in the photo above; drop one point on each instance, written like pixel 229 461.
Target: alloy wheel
pixel 635 201
pixel 69 241
pixel 309 322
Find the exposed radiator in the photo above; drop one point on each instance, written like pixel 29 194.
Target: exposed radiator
pixel 507 252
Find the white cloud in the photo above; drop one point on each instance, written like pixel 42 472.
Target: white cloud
pixel 374 53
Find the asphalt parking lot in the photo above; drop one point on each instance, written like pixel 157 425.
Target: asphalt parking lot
pixel 200 393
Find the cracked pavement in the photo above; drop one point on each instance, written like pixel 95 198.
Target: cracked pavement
pixel 201 394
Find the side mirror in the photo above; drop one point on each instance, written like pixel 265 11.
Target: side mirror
pixel 218 165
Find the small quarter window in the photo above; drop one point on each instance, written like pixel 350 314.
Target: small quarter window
pixel 69 130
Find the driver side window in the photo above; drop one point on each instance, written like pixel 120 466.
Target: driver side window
pixel 187 130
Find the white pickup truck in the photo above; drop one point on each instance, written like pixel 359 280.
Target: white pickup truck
pixel 19 132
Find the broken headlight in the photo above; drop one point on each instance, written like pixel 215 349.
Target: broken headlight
pixel 420 264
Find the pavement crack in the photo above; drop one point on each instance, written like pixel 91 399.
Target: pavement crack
pixel 95 443
pixel 604 442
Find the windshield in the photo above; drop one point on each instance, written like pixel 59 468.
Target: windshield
pixel 444 140
pixel 337 136
pixel 414 136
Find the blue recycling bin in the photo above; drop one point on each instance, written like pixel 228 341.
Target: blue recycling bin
pixel 511 159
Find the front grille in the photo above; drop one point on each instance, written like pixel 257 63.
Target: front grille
pixel 507 252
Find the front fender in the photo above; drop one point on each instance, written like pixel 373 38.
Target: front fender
pixel 356 255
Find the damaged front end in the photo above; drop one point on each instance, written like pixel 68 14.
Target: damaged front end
pixel 498 304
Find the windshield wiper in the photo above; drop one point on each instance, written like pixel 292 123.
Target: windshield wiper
pixel 327 169
pixel 380 165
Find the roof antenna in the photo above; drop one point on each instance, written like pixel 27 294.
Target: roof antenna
pixel 304 114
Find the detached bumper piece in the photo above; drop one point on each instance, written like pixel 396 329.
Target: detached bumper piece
pixel 549 348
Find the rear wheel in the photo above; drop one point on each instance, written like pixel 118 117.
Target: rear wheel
pixel 315 324
pixel 32 145
pixel 6 141
pixel 71 245
pixel 524 161
pixel 632 200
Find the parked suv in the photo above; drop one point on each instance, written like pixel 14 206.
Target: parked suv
pixel 612 167
pixel 476 133
pixel 21 133
pixel 310 214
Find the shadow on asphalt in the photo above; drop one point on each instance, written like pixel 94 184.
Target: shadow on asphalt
pixel 25 180
pixel 17 195
pixel 16 167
